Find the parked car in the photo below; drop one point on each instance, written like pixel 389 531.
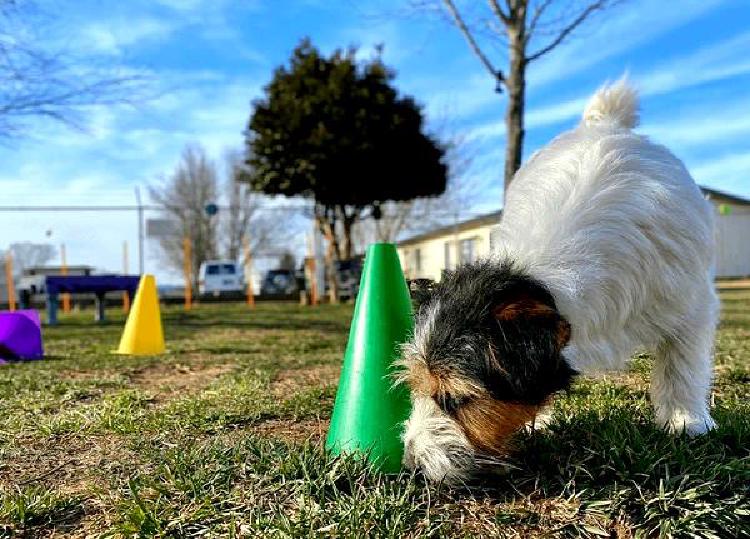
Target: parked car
pixel 279 282
pixel 220 278
pixel 348 275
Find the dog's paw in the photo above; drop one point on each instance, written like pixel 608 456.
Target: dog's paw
pixel 689 423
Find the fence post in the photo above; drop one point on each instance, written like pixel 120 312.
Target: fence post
pixel 249 273
pixel 64 272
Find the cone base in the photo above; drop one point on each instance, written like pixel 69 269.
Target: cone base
pixel 118 353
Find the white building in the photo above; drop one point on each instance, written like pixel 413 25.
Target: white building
pixel 732 233
pixel 426 255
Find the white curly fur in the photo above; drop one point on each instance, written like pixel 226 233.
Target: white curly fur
pixel 435 444
pixel 616 105
pixel 616 228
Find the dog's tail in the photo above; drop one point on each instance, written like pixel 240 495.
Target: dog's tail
pixel 613 104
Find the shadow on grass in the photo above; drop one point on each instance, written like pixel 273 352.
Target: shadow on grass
pixel 623 465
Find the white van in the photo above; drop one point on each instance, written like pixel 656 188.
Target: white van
pixel 220 278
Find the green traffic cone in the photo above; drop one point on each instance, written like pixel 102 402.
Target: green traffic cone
pixel 369 412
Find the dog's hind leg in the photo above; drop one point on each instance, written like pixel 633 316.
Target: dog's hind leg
pixel 683 370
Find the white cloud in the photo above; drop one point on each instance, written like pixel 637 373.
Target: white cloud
pixel 709 64
pixel 114 35
pixel 708 124
pixel 731 171
pixel 716 62
pixel 617 30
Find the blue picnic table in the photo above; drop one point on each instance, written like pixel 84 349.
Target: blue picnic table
pixel 98 285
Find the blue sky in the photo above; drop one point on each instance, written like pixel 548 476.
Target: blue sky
pixel 210 58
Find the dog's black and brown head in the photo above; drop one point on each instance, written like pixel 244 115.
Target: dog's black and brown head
pixel 485 356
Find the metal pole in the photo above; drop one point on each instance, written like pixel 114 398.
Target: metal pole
pixel 125 295
pixel 140 229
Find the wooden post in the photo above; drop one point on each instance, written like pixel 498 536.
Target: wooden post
pixel 187 254
pixel 311 267
pixel 64 271
pixel 9 281
pixel 249 273
pixel 125 295
pixel 314 284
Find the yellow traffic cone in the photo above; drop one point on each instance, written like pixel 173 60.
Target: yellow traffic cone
pixel 143 335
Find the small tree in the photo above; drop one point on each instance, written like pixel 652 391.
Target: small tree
pixel 526 30
pixel 27 254
pixel 244 219
pixel 336 131
pixel 183 197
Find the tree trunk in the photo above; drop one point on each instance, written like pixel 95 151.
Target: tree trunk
pixel 515 82
pixel 347 220
pixel 327 227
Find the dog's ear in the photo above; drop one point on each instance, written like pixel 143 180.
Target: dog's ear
pixel 526 308
pixel 420 291
pixel 532 333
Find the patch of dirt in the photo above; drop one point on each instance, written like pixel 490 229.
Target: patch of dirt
pixel 72 464
pixel 287 382
pixel 167 379
pixel 294 431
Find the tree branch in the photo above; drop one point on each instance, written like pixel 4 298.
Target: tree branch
pixel 469 37
pixel 538 12
pixel 499 13
pixel 565 32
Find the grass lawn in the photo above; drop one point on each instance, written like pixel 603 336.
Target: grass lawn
pixel 222 438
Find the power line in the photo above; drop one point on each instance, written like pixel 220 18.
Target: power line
pixel 153 207
pixel 145 207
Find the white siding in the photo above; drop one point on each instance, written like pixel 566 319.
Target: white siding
pixel 733 245
pixel 432 252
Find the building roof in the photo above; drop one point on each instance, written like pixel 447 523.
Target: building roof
pixel 494 217
pixel 713 194
pixel 475 222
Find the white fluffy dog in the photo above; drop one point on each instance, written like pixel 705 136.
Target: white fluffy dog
pixel 606 249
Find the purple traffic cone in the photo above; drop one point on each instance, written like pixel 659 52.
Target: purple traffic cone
pixel 20 335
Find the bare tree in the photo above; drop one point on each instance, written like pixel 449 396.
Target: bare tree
pixel 184 197
pixel 247 216
pixel 526 30
pixel 27 254
pixel 242 215
pixel 40 80
pixel 287 261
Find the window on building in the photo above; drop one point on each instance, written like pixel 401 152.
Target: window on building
pixel 406 260
pixel 447 256
pixel 417 259
pixel 467 250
